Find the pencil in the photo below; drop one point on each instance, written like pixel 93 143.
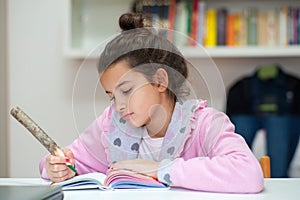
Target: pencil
pixel 39 134
pixel 59 152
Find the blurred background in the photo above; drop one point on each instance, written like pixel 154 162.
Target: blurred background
pixel 48 58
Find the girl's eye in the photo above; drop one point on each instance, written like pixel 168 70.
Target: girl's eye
pixel 126 91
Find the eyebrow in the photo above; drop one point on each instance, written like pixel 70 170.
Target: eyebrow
pixel 119 85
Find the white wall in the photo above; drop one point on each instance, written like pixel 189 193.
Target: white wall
pixel 41 81
pixel 3 89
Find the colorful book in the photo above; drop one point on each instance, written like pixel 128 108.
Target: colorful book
pixel 210 39
pixel 172 14
pixel 181 25
pixel 252 26
pixel 242 28
pixel 189 8
pixel 272 24
pixel 121 179
pixel 237 28
pixel 221 26
pixel 194 25
pixel 262 28
pixel 290 29
pixel 298 25
pixel 230 34
pixel 155 14
pixel 164 15
pixel 163 10
pixel 201 22
pixel 283 26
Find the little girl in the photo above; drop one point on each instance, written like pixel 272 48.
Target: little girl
pixel 150 128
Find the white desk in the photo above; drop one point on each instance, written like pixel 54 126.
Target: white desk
pixel 275 189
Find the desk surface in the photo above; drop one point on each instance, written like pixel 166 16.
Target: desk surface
pixel 275 189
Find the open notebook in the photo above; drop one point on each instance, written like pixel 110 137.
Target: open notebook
pixel 29 192
pixel 121 179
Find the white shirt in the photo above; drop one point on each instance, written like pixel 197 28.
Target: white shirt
pixel 150 148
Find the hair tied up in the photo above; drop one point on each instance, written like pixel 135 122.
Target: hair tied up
pixel 130 21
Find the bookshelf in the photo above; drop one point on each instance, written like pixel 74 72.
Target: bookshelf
pixel 92 22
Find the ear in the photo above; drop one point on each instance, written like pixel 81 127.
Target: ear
pixel 162 79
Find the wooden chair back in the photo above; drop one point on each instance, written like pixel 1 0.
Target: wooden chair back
pixel 266 166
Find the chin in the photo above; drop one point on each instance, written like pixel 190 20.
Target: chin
pixel 134 124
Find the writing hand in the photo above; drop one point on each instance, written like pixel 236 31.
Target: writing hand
pixel 56 167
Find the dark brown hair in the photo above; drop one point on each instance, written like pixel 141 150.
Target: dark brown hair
pixel 145 49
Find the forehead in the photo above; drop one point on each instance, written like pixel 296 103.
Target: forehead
pixel 118 73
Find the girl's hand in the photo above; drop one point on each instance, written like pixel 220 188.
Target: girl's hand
pixel 146 167
pixel 56 167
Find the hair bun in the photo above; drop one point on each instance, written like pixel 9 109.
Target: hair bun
pixel 130 21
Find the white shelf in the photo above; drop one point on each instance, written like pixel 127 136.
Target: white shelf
pixel 214 52
pixel 255 51
pixel 88 23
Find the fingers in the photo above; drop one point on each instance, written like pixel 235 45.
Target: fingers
pixel 56 167
pixel 70 159
pixel 122 165
pixel 51 159
pixel 146 167
pixel 59 176
pixel 69 154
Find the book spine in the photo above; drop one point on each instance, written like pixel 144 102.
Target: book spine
pixel 172 13
pixel 272 24
pixel 164 14
pixel 283 27
pixel 230 37
pixel 290 29
pixel 189 9
pixel 221 26
pixel 211 29
pixel 252 26
pixel 236 28
pixel 195 18
pixel 180 38
pixel 163 8
pixel 147 11
pixel 243 29
pixel 201 22
pixel 298 25
pixel 295 21
pixel 155 14
pixel 262 27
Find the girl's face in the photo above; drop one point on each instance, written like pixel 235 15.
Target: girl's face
pixel 134 97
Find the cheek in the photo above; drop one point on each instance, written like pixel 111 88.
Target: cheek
pixel 136 101
pixel 141 100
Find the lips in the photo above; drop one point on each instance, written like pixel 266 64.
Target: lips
pixel 127 116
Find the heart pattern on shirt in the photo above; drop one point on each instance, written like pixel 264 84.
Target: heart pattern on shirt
pixel 121 120
pixel 171 150
pixel 117 142
pixel 135 147
pixel 167 178
pixel 182 130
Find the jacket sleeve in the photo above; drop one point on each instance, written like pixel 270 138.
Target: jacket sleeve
pixel 88 149
pixel 218 160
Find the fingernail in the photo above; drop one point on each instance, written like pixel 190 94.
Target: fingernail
pixel 68 160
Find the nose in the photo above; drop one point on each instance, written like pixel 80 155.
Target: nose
pixel 120 105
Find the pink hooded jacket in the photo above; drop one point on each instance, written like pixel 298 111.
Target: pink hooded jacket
pixel 213 157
